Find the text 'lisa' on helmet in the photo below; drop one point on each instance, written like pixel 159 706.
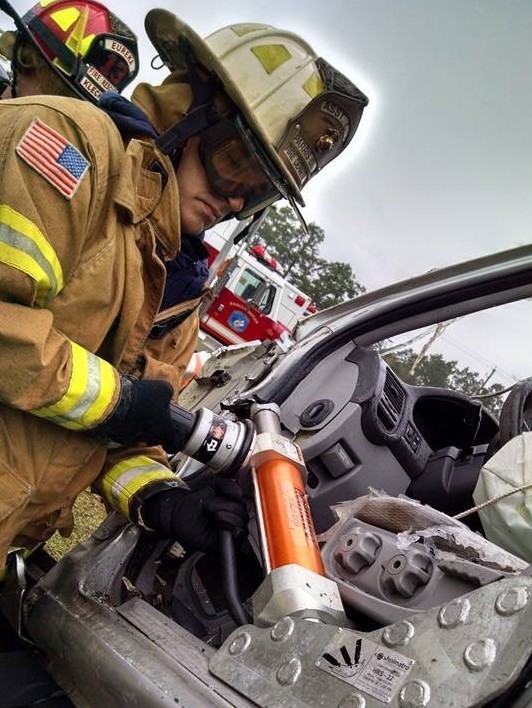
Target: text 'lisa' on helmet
pixel 301 110
pixel 82 41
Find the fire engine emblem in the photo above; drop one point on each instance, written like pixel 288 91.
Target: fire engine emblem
pixel 238 321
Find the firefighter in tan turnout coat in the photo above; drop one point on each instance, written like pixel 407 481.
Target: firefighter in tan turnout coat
pixel 101 215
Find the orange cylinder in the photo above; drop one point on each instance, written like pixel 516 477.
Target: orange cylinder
pixel 288 525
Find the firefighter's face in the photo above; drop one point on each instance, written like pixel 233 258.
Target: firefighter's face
pixel 201 207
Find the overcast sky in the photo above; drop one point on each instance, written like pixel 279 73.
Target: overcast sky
pixel 441 167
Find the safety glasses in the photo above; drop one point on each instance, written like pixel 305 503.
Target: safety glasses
pixel 236 166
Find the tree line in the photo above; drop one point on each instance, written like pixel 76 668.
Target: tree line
pixel 326 282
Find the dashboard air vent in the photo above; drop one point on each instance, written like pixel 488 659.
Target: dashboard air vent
pixel 392 401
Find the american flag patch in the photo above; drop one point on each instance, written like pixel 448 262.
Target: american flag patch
pixel 53 157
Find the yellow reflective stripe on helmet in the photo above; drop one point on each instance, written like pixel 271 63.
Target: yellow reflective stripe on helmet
pixel 271 56
pixel 71 18
pixel 23 246
pixel 128 477
pixel 93 382
pixel 65 17
pixel 244 28
pixel 314 85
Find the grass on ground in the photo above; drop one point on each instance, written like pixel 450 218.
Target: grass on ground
pixel 89 512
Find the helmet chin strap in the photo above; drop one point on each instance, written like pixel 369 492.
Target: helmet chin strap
pixel 22 35
pixel 201 113
pixel 65 55
pixel 196 120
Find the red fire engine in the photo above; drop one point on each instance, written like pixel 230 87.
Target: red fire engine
pixel 253 301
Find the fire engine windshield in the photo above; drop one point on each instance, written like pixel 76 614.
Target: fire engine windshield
pixel 255 290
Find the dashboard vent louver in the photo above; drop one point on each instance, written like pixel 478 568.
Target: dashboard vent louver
pixel 392 401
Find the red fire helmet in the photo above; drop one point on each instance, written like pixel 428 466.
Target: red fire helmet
pixel 83 42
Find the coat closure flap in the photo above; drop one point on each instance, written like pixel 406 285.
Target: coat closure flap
pixel 180 308
pixel 147 187
pixel 138 190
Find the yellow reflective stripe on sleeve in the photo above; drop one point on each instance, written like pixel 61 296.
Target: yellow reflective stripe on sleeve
pixel 23 246
pixel 93 382
pixel 126 478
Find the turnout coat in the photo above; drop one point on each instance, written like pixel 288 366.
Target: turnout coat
pixel 85 228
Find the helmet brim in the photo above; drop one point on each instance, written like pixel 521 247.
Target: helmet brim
pixel 167 34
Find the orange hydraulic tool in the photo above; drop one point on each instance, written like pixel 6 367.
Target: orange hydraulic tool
pixel 287 530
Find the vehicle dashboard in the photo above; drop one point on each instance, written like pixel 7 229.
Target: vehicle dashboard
pixel 360 427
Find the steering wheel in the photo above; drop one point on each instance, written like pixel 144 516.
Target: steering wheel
pixel 516 412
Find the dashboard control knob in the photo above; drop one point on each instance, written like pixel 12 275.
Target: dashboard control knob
pixel 357 550
pixel 407 571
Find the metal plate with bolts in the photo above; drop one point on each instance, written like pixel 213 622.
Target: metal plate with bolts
pixel 479 642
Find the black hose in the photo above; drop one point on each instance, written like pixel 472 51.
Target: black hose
pixel 230 578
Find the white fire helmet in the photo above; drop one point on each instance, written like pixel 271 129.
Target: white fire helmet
pixel 300 111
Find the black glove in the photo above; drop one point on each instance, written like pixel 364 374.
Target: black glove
pixel 194 517
pixel 142 415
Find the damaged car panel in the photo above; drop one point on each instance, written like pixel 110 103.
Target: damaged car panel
pixel 431 613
